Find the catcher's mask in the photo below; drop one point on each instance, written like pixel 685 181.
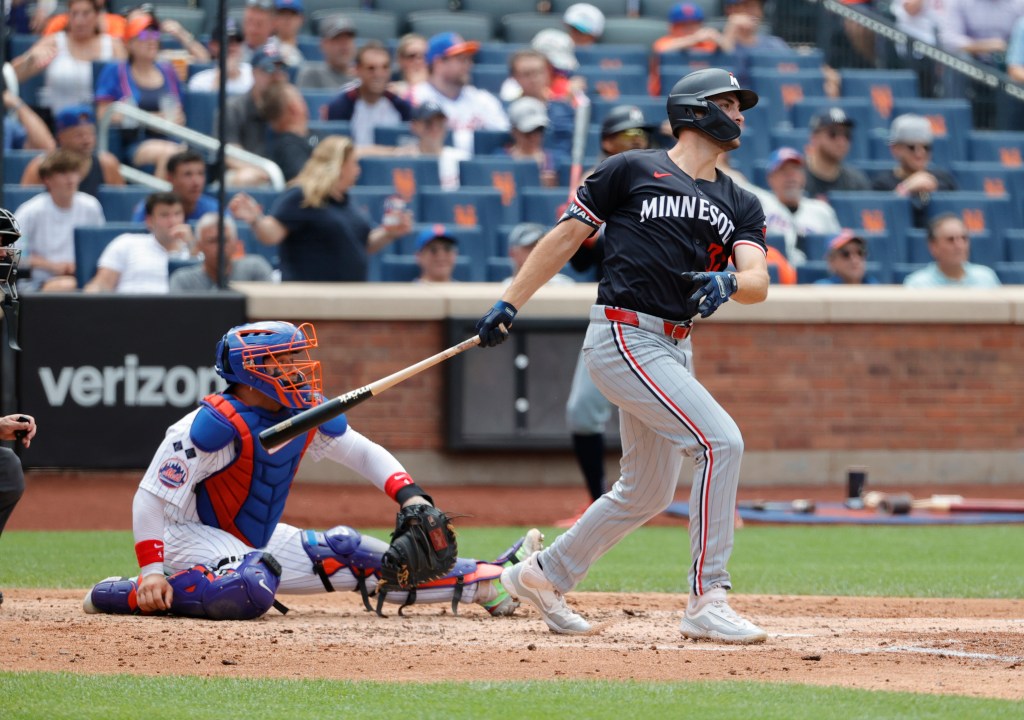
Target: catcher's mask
pixel 689 104
pixel 273 357
pixel 10 232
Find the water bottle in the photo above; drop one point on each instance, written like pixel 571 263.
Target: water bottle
pixel 394 206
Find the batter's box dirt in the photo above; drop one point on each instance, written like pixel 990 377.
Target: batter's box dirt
pixel 945 646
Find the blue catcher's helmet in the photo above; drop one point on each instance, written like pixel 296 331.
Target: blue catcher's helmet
pixel 272 357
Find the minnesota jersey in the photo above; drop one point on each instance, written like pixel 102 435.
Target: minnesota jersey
pixel 659 222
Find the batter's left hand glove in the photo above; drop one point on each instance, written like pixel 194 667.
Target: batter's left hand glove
pixel 714 289
pixel 493 327
pixel 423 547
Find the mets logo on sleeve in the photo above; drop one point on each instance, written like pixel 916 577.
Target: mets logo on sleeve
pixel 173 473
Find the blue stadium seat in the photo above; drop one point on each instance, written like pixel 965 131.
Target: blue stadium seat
pixel 200 108
pixel 271 253
pixel 373 24
pixel 1003 147
pixel 980 212
pixel 811 272
pixel 1013 241
pixel 119 201
pixel 520 27
pixel 468 24
pixel 881 88
pixel 90 240
pixel 496 53
pixel 786 62
pixel 543 205
pixel 370 199
pixel 317 99
pixel 478 208
pixel 15 162
pixel 614 83
pixel 884 251
pixel 309 45
pixel 787 90
pixel 489 76
pixel 950 119
pixel 874 212
pixel 393 135
pixel 606 55
pixel 1010 273
pixel 15 195
pixel 326 128
pixel 995 180
pixel 498 268
pixel 641 31
pixel 407 175
pixel 486 142
pixel 403 268
pixel 505 174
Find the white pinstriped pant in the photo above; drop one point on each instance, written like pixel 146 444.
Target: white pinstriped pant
pixel 664 413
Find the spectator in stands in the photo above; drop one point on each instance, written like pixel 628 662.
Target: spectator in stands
pixel 522 239
pixel 979 28
pixel 257 26
pixel 289 19
pixel 584 23
pixel 412 64
pixel 137 263
pixel 436 253
pixel 743 29
pixel 338 45
pixel 529 119
pixel 246 122
pixel 531 74
pixel 186 171
pixel 107 22
pixel 323 236
pixel 467 107
pixel 195 50
pixel 370 104
pixel 66 58
pixel 847 261
pixel 827 148
pixel 151 86
pixel 23 128
pixel 918 18
pixel 76 131
pixel 687 31
pixel 950 247
pixel 288 116
pixel 239 71
pixel 1015 53
pixel 790 213
pixel 49 219
pixel 910 142
pixel 430 126
pixel 202 276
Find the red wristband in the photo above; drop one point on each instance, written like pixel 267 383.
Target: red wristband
pixel 396 482
pixel 149 552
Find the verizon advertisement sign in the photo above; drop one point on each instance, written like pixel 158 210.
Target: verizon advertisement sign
pixel 105 375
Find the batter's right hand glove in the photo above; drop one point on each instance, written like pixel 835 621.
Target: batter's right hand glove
pixel 493 327
pixel 714 290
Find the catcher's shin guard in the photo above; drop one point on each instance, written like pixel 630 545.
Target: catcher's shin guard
pixel 113 595
pixel 466 572
pixel 340 547
pixel 244 592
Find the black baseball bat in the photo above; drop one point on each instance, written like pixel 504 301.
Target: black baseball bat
pixel 306 420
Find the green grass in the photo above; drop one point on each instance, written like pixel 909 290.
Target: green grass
pixel 80 697
pixel 971 562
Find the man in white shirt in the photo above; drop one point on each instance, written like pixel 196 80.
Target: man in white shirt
pixel 467 107
pixel 787 211
pixel 239 72
pixel 49 219
pixel 138 263
pixel 950 246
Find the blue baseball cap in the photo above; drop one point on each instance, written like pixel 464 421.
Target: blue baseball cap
pixel 783 155
pixel 73 116
pixel 685 12
pixel 449 44
pixel 268 58
pixel 432 233
pixel 293 5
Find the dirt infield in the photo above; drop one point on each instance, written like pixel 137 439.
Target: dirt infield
pixel 942 646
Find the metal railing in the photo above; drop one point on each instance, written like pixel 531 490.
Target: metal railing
pixel 190 136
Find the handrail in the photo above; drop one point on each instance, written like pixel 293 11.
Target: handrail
pixel 189 135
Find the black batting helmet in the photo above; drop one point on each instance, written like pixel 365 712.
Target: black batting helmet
pixel 691 94
pixel 10 230
pixel 625 117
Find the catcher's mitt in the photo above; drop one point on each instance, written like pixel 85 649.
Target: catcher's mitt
pixel 423 547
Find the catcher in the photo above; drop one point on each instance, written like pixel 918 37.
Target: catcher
pixel 206 516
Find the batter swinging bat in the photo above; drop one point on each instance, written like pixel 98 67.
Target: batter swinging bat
pixel 306 420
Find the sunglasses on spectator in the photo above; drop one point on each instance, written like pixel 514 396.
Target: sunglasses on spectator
pixel 913 147
pixel 853 252
pixel 413 55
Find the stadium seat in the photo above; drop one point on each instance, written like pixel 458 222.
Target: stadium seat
pixel 16 195
pixel 316 99
pixel 995 180
pixel 372 24
pixel 119 201
pixel 613 83
pixel 659 9
pixel 652 107
pixel 543 205
pixel 470 25
pixel 326 128
pixel 407 175
pixel 15 162
pixel 882 88
pixel 786 62
pixel 370 199
pixel 499 9
pixel 521 27
pixel 1010 273
pixel 90 240
pixel 496 52
pixel 499 268
pixel 787 90
pixel 393 135
pixel 403 268
pixel 980 212
pixel 487 142
pixel 986 248
pixel 468 208
pixel 191 18
pixel 271 253
pixel 608 56
pixel 874 212
pixel 490 76
pixel 506 175
pixel 951 120
pixel 1013 245
pixel 309 46
pixel 633 30
pixel 811 271
pixel 901 270
pixel 1003 147
pixel 200 109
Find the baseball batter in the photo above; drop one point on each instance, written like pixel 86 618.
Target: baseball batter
pixel 672 224
pixel 206 516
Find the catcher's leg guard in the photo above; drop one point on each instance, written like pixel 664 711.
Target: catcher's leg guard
pixel 113 595
pixel 241 593
pixel 466 572
pixel 341 547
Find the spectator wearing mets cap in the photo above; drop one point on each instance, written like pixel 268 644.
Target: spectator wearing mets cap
pixel 584 23
pixel 76 131
pixel 467 107
pixel 338 46
pixel 436 253
pixel 847 261
pixel 687 31
pixel 787 211
pixel 913 177
pixel 827 147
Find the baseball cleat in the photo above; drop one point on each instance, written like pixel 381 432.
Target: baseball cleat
pixel 112 595
pixel 713 619
pixel 501 603
pixel 526 581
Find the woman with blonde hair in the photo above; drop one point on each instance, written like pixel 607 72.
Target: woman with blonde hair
pixel 323 236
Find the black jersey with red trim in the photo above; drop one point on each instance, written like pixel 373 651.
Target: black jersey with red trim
pixel 659 222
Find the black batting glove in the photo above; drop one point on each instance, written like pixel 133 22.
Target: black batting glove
pixel 714 289
pixel 493 327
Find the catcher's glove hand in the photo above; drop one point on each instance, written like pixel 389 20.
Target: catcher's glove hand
pixel 423 547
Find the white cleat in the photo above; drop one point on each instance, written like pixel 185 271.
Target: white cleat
pixel 713 619
pixel 526 581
